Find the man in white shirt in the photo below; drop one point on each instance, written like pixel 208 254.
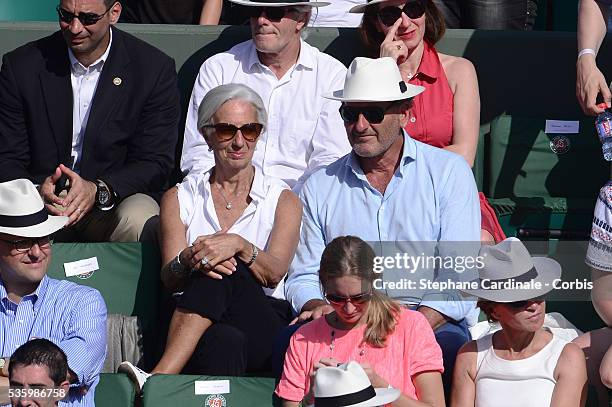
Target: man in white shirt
pixel 303 131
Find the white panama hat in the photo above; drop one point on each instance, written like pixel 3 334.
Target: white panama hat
pixel 23 213
pixel 509 261
pixel 361 8
pixel 374 80
pixel 285 3
pixel 347 385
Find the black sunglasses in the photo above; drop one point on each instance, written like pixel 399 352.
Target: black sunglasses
pixel 227 131
pixel 353 299
pixel 85 18
pixel 373 114
pixel 523 304
pixel 413 9
pixel 271 13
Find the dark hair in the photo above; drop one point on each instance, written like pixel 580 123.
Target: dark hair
pixel 44 353
pixel 486 306
pixel 372 38
pixel 351 256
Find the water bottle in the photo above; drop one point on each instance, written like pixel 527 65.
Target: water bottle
pixel 603 124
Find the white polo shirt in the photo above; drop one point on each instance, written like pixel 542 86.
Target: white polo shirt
pixel 304 130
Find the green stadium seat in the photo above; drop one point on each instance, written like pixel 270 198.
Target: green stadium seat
pixel 179 390
pixel 28 10
pixel 128 279
pixel 115 390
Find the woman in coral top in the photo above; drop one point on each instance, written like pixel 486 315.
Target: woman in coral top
pixel 447 114
pixel 395 346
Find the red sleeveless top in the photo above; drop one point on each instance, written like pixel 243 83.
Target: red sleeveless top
pixel 431 121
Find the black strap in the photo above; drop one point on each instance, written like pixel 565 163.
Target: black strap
pixel 22 221
pixel 529 275
pixel 346 399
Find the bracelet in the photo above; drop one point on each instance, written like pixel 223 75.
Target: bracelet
pixel 253 256
pixel 177 268
pixel 586 51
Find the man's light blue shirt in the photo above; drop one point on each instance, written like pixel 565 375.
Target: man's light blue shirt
pixel 431 197
pixel 70 315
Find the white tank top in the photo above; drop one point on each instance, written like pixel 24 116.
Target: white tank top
pixel 510 383
pixel 197 212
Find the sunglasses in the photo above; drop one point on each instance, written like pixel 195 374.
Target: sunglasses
pixel 373 114
pixel 227 131
pixel 413 9
pixel 272 13
pixel 85 18
pixel 523 304
pixel 24 245
pixel 358 299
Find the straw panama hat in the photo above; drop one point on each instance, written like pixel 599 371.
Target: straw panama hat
pixel 347 385
pixel 360 8
pixel 285 3
pixel 23 213
pixel 374 80
pixel 510 262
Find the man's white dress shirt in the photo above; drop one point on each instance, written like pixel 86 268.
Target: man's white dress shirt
pixel 304 131
pixel 84 83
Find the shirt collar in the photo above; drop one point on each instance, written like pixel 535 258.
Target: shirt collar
pixel 408 155
pixel 430 62
pixel 258 191
pixel 77 67
pixel 38 293
pixel 306 58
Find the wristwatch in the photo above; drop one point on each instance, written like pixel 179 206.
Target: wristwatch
pixel 2 363
pixel 104 196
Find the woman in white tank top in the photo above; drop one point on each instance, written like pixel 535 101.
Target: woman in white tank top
pixel 227 233
pixel 522 364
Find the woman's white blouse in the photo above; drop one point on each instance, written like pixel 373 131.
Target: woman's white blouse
pixel 197 212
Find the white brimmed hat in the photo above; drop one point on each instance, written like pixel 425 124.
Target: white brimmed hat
pixel 23 213
pixel 510 262
pixel 285 3
pixel 374 80
pixel 347 385
pixel 361 8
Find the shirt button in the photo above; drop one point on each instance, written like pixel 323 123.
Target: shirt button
pixel 412 119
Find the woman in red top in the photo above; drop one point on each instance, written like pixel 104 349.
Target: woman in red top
pixel 447 114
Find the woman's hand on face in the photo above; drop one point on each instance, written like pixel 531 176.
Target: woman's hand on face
pixel 393 48
pixel 214 254
pixel 375 379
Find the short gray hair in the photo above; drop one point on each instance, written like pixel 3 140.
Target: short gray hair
pixel 217 96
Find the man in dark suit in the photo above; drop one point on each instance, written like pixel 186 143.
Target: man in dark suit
pixel 90 115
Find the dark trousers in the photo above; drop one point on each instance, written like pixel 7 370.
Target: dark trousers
pixel 489 14
pixel 450 336
pixel 245 323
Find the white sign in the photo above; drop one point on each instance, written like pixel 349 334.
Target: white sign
pixel 212 386
pixel 562 126
pixel 79 267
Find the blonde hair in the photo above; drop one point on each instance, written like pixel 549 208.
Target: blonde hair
pixel 351 256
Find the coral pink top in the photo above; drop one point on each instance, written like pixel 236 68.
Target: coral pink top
pixel 410 349
pixel 432 114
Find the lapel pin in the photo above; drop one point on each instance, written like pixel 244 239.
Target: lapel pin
pixel 117 81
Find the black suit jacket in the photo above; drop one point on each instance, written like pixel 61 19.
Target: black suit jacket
pixel 132 128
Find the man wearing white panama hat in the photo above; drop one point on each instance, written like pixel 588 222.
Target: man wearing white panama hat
pixel 390 188
pixel 33 305
pixel 290 76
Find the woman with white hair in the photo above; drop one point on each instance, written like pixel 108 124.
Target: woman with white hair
pixel 226 233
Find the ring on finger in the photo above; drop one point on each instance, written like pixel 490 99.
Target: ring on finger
pixel 204 261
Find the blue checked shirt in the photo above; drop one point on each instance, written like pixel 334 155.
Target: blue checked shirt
pixel 431 197
pixel 71 316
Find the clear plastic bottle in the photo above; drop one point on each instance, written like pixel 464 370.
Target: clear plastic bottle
pixel 603 124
